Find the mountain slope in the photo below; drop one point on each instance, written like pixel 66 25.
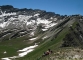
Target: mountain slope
pixel 27 20
pixel 37 31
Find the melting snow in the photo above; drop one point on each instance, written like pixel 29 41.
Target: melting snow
pixel 50 25
pixel 4 52
pixel 47 23
pixel 33 38
pixel 7 14
pixel 51 18
pixel 22 53
pixel 26 50
pixel 6 59
pixel 23 18
pixel 55 19
pixel 44 21
pixel 31 34
pixel 44 29
pixel 29 23
pixel 25 53
pixel 36 14
pixel 3 24
pixel 44 37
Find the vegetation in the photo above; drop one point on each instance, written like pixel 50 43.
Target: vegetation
pixel 66 39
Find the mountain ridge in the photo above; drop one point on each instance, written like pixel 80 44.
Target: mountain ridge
pixel 27 19
pixel 20 28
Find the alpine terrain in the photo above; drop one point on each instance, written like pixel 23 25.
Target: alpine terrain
pixel 34 34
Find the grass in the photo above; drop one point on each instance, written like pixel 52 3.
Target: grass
pixel 74 24
pixel 54 44
pixel 44 46
pixel 13 45
pixel 10 51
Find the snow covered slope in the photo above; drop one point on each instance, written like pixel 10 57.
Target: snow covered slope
pixel 27 19
pixel 20 22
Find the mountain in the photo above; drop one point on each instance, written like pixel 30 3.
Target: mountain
pixel 23 21
pixel 20 28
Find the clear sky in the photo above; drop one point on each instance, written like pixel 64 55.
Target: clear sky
pixel 62 7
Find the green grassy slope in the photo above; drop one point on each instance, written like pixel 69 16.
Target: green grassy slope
pixel 12 46
pixel 46 45
pixel 54 45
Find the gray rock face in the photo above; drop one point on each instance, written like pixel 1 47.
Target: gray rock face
pixel 16 22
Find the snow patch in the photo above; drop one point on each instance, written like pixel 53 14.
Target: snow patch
pixel 27 48
pixel 44 37
pixel 7 14
pixel 55 19
pixel 4 52
pixel 36 14
pixel 23 18
pixel 51 18
pixel 50 25
pixel 53 24
pixel 2 25
pixel 44 29
pixel 33 38
pixel 32 34
pixel 28 23
pixel 25 53
pixel 5 59
pixel 44 21
pixel 21 53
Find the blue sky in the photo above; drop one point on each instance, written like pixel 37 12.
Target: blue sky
pixel 62 7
